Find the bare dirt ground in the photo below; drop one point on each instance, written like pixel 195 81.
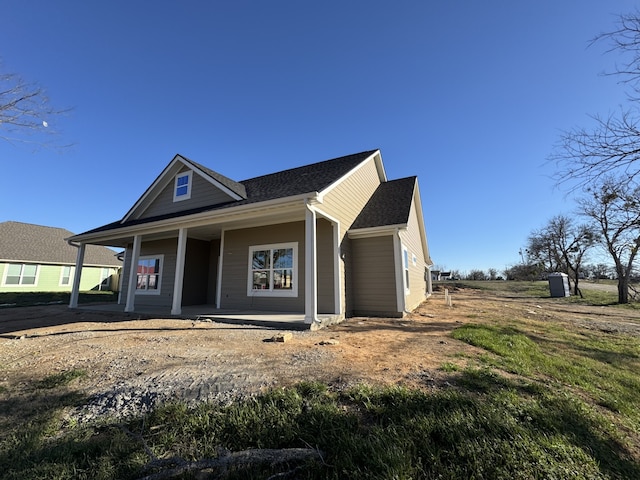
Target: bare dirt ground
pixel 130 364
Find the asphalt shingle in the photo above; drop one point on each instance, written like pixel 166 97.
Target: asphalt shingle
pixel 39 244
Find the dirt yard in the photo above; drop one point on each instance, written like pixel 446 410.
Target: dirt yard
pixel 131 364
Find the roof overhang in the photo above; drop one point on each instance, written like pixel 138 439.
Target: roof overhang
pixel 279 210
pixel 376 231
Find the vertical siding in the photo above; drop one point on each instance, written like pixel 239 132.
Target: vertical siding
pixel 374 277
pixel 345 203
pixel 235 266
pixel 412 240
pixel 203 194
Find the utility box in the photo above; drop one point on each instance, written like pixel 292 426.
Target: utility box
pixel 559 285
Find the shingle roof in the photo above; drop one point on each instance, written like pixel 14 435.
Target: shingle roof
pixel 236 187
pixel 390 204
pixel 295 181
pixel 36 243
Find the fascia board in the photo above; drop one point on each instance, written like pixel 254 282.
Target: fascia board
pixel 423 232
pixel 199 219
pixel 213 181
pixel 381 174
pixel 376 231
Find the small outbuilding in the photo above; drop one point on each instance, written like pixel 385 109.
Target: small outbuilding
pixel 559 285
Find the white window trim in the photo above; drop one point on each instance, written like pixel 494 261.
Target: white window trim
pixel 20 285
pixel 187 196
pixel 155 291
pixel 273 293
pixel 405 270
pixel 71 271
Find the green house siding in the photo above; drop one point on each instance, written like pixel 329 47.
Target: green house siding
pixel 49 276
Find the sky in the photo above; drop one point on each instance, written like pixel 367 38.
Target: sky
pixel 471 96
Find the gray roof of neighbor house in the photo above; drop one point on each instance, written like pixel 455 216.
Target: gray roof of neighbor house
pixel 390 204
pixel 26 242
pixel 295 181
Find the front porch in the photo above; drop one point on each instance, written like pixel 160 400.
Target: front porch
pixel 273 320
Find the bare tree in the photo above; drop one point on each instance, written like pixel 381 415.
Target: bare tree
pixel 614 206
pixel 25 111
pixel 585 155
pixel 562 245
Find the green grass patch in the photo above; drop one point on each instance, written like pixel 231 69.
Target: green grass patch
pixel 506 429
pixel 29 299
pixel 60 379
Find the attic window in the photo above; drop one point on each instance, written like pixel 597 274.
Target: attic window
pixel 182 190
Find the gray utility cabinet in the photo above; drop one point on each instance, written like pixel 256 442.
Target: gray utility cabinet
pixel 559 285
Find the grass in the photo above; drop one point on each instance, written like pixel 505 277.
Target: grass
pixel 543 400
pixel 27 299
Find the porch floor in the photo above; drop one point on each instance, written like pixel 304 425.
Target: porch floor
pixel 274 320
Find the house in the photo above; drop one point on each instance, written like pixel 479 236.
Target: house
pixel 332 239
pixel 35 258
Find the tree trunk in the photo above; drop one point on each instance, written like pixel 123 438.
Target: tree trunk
pixel 623 289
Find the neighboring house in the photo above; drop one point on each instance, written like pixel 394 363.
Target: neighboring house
pixel 437 275
pixel 34 258
pixel 332 238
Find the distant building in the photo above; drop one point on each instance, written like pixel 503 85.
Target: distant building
pixel 35 258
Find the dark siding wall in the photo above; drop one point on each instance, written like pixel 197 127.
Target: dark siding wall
pixel 374 277
pixel 196 273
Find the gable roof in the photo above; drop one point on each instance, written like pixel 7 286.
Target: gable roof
pixel 315 177
pixel 27 242
pixel 390 204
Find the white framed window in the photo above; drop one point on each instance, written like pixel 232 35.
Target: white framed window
pixel 21 275
pixel 182 187
pixel 65 275
pixel 273 270
pixel 405 265
pixel 149 275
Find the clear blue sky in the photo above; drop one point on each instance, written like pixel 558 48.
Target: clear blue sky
pixel 469 95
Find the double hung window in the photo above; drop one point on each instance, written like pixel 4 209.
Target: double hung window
pixel 182 188
pixel 273 270
pixel 21 274
pixel 149 274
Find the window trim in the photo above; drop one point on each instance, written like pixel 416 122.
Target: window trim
pixel 189 185
pixel 405 269
pixel 20 284
pixel 156 291
pixel 70 282
pixel 271 292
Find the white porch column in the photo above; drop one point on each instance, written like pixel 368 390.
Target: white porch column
pixel 75 290
pixel 310 268
pixel 397 257
pixel 429 281
pixel 133 274
pixel 176 308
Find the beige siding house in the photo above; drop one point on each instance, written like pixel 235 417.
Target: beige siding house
pixel 330 240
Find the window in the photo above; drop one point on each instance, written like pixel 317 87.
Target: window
pixel 105 280
pixel 65 276
pixel 405 255
pixel 273 270
pixel 182 190
pixel 149 275
pixel 21 274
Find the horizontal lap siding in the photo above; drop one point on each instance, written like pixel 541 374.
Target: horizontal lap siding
pixel 324 234
pixel 203 194
pixel 49 279
pixel 235 267
pixel 374 276
pixel 412 240
pixel 344 203
pixel 168 248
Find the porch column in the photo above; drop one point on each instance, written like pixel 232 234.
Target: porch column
pixel 133 274
pixel 75 290
pixel 397 257
pixel 429 281
pixel 310 268
pixel 176 308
